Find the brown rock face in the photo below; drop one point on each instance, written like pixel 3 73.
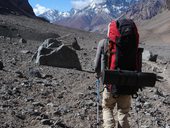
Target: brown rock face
pixel 19 7
pixel 146 9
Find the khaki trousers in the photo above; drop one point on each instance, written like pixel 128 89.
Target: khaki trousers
pixel 123 106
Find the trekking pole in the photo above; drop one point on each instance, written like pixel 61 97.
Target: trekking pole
pixel 137 121
pixel 98 99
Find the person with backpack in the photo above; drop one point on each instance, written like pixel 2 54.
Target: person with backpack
pixel 117 52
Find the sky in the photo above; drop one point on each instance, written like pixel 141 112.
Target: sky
pixel 41 6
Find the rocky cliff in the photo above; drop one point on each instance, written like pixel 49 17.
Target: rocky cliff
pixel 17 7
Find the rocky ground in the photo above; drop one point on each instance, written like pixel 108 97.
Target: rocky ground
pixel 33 96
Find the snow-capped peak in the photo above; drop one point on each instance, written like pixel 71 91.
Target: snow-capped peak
pixel 112 8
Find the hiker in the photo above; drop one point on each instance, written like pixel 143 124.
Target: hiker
pixel 110 99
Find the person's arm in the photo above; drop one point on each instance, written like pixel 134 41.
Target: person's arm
pixel 97 61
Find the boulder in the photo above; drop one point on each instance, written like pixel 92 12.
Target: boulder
pixel 54 53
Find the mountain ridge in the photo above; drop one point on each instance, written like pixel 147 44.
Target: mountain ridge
pixel 95 17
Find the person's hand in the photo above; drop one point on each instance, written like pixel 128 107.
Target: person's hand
pixel 98 75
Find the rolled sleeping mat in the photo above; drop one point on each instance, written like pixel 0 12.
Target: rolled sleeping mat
pixel 128 78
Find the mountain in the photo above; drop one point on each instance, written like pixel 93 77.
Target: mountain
pixel 96 16
pixel 53 15
pixel 97 13
pixel 146 9
pixel 17 7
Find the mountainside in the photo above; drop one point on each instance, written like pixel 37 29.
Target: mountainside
pixel 140 11
pixel 17 7
pixel 96 16
pixel 91 16
pixel 146 9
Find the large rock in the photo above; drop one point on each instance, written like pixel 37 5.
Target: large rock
pixel 54 53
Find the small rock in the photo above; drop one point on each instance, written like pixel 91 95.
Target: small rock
pixel 2 37
pixel 149 56
pixel 1 65
pixel 19 74
pixel 75 45
pixel 22 41
pixel 90 103
pixel 167 100
pixel 147 105
pixel 25 51
pixel 46 76
pixel 155 69
pixel 153 57
pixel 61 95
pixel 159 93
pixel 57 113
pixel 43 116
pixel 20 116
pixel 35 113
pixel 29 99
pixel 18 35
pixel 85 54
pixel 59 124
pixel 47 84
pixel 34 73
pixel 46 122
pixel 37 104
pixel 146 55
pixel 50 104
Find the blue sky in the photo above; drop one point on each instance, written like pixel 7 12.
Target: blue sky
pixel 61 5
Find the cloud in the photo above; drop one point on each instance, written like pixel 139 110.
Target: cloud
pixel 80 4
pixel 40 9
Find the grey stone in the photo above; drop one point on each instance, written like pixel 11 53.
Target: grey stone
pixel 1 65
pixel 53 53
pixel 25 51
pixel 149 56
pixel 146 55
pixel 34 73
pixel 19 74
pixel 22 40
pixel 46 122
pixel 167 100
pixel 75 44
pixel 90 103
pixel 153 57
pixel 37 104
pixel 20 116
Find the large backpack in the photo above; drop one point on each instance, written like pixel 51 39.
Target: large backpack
pixel 122 52
pixel 123 40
